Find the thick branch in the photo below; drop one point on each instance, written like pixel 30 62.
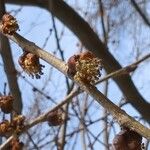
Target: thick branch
pixel 120 115
pixel 92 42
pixel 39 3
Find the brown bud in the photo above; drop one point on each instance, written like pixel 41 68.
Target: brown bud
pixel 127 140
pixel 18 123
pixel 87 55
pixel 6 104
pixel 15 144
pixel 5 128
pixel 9 24
pixel 72 65
pixel 55 118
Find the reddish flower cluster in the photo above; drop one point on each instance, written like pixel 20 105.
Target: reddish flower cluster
pixel 6 104
pixel 9 24
pixel 15 144
pixel 56 118
pixel 16 125
pixel 31 65
pixel 127 140
pixel 5 128
pixel 85 67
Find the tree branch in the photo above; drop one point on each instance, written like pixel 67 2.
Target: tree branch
pixel 121 116
pixel 38 3
pixel 92 42
pixel 141 13
pixel 9 67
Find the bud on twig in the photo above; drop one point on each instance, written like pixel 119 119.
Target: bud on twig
pixel 85 67
pixel 30 64
pixel 9 24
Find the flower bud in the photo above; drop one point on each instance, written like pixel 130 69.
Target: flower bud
pixel 31 65
pixel 9 24
pixel 85 67
pixel 6 104
pixel 55 118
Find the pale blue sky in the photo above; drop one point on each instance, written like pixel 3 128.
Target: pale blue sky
pixel 35 24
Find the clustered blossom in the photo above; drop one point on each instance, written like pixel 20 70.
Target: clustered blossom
pixel 56 118
pixel 9 127
pixel 18 123
pixel 31 65
pixel 5 128
pixel 6 103
pixel 85 67
pixel 9 24
pixel 127 139
pixel 15 144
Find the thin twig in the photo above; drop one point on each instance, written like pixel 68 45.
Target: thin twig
pixel 141 13
pixel 66 107
pixel 32 141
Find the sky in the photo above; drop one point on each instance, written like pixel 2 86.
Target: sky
pixel 35 24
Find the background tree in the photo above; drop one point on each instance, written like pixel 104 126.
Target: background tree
pixel 115 31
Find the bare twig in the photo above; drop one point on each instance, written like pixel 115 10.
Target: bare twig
pixel 121 116
pixel 66 107
pixel 125 70
pixel 42 117
pixel 141 13
pixel 31 139
pixel 106 133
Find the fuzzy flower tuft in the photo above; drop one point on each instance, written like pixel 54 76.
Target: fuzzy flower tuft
pixel 127 139
pixel 9 24
pixel 16 144
pixel 15 125
pixel 85 67
pixel 5 128
pixel 18 123
pixel 31 65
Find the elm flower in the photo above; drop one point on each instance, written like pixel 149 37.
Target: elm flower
pixel 85 67
pixel 9 24
pixel 31 65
